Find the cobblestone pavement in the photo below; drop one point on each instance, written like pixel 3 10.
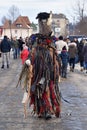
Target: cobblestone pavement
pixel 73 114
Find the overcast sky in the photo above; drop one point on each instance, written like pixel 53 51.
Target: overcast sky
pixel 31 8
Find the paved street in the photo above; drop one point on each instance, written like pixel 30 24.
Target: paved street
pixel 73 115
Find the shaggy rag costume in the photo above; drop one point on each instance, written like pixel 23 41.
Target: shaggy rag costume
pixel 41 82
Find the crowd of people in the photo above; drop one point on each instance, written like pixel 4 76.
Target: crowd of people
pixel 69 52
pixel 72 52
pixel 16 46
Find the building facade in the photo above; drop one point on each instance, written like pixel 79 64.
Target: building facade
pixel 60 24
pixel 21 27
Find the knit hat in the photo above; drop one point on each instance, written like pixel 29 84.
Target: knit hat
pixel 64 48
pixel 25 47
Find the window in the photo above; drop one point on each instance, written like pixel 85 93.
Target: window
pixel 18 25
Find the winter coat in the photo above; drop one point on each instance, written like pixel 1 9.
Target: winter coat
pixel 20 44
pixel 59 45
pixel 64 57
pixel 15 43
pixel 80 51
pixel 5 45
pixel 85 52
pixel 24 55
pixel 72 50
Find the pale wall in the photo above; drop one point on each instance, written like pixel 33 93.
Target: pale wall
pixel 17 32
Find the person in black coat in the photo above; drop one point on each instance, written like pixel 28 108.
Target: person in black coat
pixel 80 54
pixel 85 55
pixel 20 44
pixel 5 49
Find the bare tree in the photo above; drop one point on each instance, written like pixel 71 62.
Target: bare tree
pixel 3 19
pixel 79 10
pixel 13 13
pixel 80 17
pixel 81 26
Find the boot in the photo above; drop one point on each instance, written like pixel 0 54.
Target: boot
pixel 2 67
pixel 72 70
pixel 47 115
pixel 7 66
pixel 65 76
pixel 81 68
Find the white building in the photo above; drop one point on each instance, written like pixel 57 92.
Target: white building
pixel 19 28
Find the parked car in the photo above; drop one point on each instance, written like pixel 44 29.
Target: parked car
pixel 79 37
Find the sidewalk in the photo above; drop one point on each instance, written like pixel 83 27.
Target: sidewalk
pixel 73 114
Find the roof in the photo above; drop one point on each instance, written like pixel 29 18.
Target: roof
pixel 59 16
pixel 21 20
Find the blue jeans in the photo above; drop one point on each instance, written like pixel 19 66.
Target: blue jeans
pixel 85 64
pixel 64 70
pixel 15 53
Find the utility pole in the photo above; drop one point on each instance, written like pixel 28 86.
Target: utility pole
pixel 10 28
pixel 73 25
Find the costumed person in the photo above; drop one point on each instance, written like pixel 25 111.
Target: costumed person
pixel 41 72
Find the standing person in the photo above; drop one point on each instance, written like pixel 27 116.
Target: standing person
pixel 24 54
pixel 15 48
pixel 21 42
pixel 40 73
pixel 85 55
pixel 77 42
pixel 80 54
pixel 60 44
pixel 5 49
pixel 64 58
pixel 72 55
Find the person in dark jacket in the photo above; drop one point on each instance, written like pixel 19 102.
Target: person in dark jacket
pixel 15 48
pixel 85 55
pixel 72 51
pixel 5 49
pixel 21 42
pixel 64 58
pixel 80 54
